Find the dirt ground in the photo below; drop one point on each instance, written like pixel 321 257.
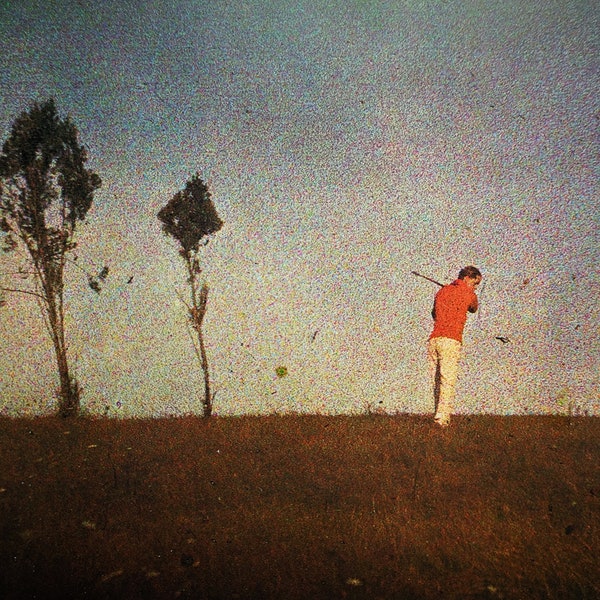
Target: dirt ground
pixel 296 507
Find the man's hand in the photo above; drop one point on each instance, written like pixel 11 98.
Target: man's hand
pixel 474 305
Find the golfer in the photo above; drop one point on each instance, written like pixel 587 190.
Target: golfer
pixel 445 342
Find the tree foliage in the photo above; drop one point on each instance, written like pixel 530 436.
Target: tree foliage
pixel 45 190
pixel 41 166
pixel 190 217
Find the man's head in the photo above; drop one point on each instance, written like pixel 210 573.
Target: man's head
pixel 471 276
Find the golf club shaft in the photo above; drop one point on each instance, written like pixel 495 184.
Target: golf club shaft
pixel 428 278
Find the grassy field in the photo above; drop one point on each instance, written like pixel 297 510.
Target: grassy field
pixel 300 507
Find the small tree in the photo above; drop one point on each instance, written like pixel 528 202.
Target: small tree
pixel 190 217
pixel 44 191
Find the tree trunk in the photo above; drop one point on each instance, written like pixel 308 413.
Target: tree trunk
pixel 68 393
pixel 68 401
pixel 201 311
pixel 207 404
pixel 198 313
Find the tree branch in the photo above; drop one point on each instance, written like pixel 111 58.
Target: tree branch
pixel 16 291
pixel 183 301
pixel 23 274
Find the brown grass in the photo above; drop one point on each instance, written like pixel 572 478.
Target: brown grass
pixel 297 507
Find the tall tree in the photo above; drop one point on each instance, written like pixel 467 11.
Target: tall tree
pixel 190 217
pixel 45 190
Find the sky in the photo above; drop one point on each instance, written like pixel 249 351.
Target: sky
pixel 345 143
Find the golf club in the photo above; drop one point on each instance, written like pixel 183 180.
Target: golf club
pixel 428 278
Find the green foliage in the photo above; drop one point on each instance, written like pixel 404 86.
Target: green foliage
pixel 190 216
pixel 45 188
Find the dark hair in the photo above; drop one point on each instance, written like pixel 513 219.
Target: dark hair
pixel 470 272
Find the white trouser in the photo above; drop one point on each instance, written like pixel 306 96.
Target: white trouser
pixel 443 355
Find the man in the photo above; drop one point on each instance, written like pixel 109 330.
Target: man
pixel 450 315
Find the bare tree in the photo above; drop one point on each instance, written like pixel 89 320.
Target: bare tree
pixel 190 217
pixel 45 190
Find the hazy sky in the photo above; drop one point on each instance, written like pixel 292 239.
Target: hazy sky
pixel 346 143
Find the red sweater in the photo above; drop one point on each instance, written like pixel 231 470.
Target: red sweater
pixel 450 310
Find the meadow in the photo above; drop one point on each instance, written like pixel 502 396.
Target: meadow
pixel 300 507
